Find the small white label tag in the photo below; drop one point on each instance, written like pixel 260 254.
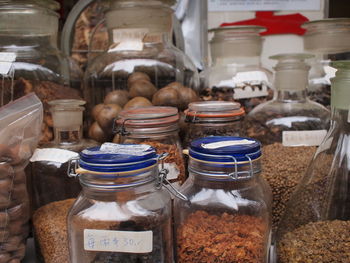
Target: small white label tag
pixel 6 62
pixel 118 241
pixel 216 145
pixel 174 171
pixel 250 76
pixel 303 138
pixel 136 150
pixel 129 39
pixel 53 155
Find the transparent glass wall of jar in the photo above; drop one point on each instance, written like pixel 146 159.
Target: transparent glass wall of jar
pixel 328 40
pixel 236 72
pixel 227 217
pixel 290 118
pixel 141 65
pixel 315 226
pixel 29 57
pixel 158 127
pixel 212 118
pixel 122 214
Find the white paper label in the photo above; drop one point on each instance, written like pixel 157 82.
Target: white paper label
pixel 135 150
pixel 216 145
pixel 174 171
pixel 53 155
pixel 6 62
pixel 250 77
pixel 129 39
pixel 118 241
pixel 256 5
pixel 303 138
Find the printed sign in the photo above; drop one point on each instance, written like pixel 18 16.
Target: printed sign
pixel 303 138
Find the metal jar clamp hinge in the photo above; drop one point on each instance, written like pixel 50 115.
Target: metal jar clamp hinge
pixel 72 167
pixel 162 179
pixel 120 130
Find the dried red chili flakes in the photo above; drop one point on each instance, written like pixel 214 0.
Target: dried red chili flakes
pixel 221 238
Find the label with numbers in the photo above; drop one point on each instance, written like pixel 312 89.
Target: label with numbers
pixel 303 138
pixel 256 5
pixel 118 241
pixel 53 155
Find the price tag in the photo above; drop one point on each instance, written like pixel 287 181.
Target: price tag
pixel 53 155
pixel 303 138
pixel 216 145
pixel 118 241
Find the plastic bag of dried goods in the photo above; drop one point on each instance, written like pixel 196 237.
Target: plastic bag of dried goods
pixel 20 126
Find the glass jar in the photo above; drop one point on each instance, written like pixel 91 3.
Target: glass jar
pixel 29 58
pixel 49 163
pixel 213 118
pixel 122 214
pixel 236 72
pixel 315 226
pixel 328 40
pixel 141 66
pixel 158 127
pixel 290 118
pixel 227 214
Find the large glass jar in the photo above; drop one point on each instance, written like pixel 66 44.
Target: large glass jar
pixel 213 118
pixel 236 72
pixel 29 58
pixel 122 214
pixel 290 118
pixel 141 66
pixel 49 163
pixel 227 214
pixel 316 224
pixel 328 40
pixel 158 127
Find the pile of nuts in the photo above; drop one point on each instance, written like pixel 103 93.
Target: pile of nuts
pixel 14 204
pixel 141 93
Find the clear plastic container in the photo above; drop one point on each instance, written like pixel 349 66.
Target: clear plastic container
pixel 290 118
pixel 328 40
pixel 158 127
pixel 315 226
pixel 123 214
pixel 226 216
pixel 213 118
pixel 49 163
pixel 141 67
pixel 236 72
pixel 29 58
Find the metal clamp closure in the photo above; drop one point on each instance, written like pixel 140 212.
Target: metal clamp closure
pixel 120 130
pixel 72 167
pixel 164 182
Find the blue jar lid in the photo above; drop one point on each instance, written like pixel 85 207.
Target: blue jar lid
pixel 225 149
pixel 111 157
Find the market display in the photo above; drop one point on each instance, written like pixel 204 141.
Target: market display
pixel 157 127
pixel 21 122
pixel 127 216
pixel 149 72
pixel 290 118
pixel 49 164
pixel 226 216
pixel 236 73
pixel 319 208
pixel 319 40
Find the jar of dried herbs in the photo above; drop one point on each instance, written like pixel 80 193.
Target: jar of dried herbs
pixel 158 127
pixel 213 118
pixel 122 214
pixel 226 216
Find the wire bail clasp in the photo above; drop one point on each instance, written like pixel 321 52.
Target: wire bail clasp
pixel 72 167
pixel 120 129
pixel 163 181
